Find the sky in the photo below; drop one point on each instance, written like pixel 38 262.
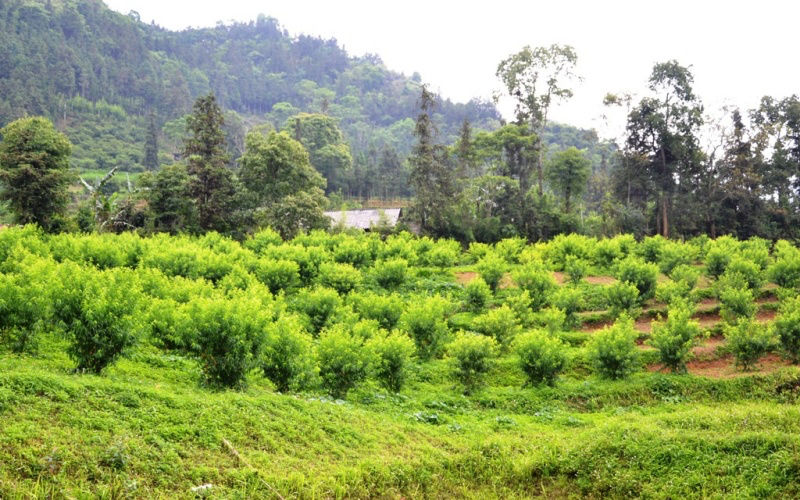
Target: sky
pixel 737 54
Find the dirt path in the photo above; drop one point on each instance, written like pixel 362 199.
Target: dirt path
pixel 724 367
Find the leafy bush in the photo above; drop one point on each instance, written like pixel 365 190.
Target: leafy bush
pixel 642 275
pixel 385 309
pixel 23 309
pixel 674 254
pixel 612 351
pixel 719 255
pixel 623 298
pixel 736 300
pixel 748 340
pixel 391 274
pixel 424 320
pixel 277 275
pixel 307 260
pixel 552 319
pixel 392 355
pixel 520 303
pixel 444 254
pixel 342 359
pixel 510 249
pixel 287 356
pixel 575 269
pixel 319 306
pixel 541 357
pixel 343 278
pixel 750 272
pixel 675 337
pixel 170 324
pixel 263 239
pixel 491 269
pixel 500 323
pixel 537 281
pixel 477 295
pixel 785 272
pixel 227 338
pixel 570 300
pixel 98 310
pixel 651 247
pixel 356 252
pixel 671 291
pixel 686 275
pixel 565 245
pixel 606 252
pixel 471 357
pixel 787 328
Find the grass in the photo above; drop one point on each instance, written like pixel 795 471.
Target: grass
pixel 147 429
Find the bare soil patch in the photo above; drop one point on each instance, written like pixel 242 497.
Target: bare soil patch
pixel 724 367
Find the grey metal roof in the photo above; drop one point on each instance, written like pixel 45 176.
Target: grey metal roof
pixel 363 219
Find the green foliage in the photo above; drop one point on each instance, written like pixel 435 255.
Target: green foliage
pixel 747 270
pixel 787 329
pixel 477 295
pixel 567 172
pixel 287 354
pixel 443 254
pixel 34 171
pixel 509 249
pixel 717 260
pixel 623 298
pixel 343 278
pixel 675 337
pixel 424 321
pixel 492 268
pixel 500 323
pixel 391 274
pixel 537 281
pixel 541 356
pixel 686 275
pixel 277 275
pixel 673 254
pixel 749 340
pixel 551 319
pixel 385 309
pixel 737 300
pixel 392 355
pixel 319 306
pixel 99 312
pixel 343 360
pixel 23 309
pixel 642 275
pixel 575 269
pixel 570 300
pixel 612 351
pixel 471 357
pixel 227 338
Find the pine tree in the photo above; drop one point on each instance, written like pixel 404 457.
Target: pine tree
pixel 430 175
pixel 151 144
pixel 211 184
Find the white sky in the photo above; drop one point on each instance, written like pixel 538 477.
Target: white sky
pixel 738 53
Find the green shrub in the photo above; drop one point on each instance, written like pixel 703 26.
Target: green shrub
pixel 319 306
pixel 227 338
pixel 686 275
pixel 537 281
pixel 785 272
pixel 787 328
pixel 477 251
pixel 477 295
pixel 98 310
pixel 391 355
pixel 500 323
pixel 570 300
pixel 287 358
pixel 651 247
pixel 277 275
pixel 492 268
pixel 356 252
pixel 307 260
pixel 565 245
pixel 342 359
pixel 717 259
pixel 510 249
pixel 737 301
pixel 443 255
pixel 541 357
pixel 575 269
pixel 170 324
pixel 612 351
pixel 606 252
pixel 671 291
pixel 552 319
pixel 642 275
pixel 749 271
pixel 23 310
pixel 385 309
pixel 263 239
pixel 675 337
pixel 623 298
pixel 344 278
pixel 424 320
pixel 748 340
pixel 520 303
pixel 391 274
pixel 471 357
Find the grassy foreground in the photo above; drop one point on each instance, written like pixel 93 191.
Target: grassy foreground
pixel 145 429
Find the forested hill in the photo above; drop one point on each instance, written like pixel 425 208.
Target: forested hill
pixel 98 74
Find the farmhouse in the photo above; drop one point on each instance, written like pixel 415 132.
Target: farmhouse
pixel 366 219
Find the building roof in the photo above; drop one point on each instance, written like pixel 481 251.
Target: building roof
pixel 364 219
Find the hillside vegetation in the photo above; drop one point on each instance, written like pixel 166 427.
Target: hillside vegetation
pixel 355 366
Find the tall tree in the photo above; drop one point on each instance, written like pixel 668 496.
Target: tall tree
pixel 285 190
pixel 151 144
pixel 567 173
pixel 662 130
pixel 211 183
pixel 34 171
pixel 536 79
pixel 430 174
